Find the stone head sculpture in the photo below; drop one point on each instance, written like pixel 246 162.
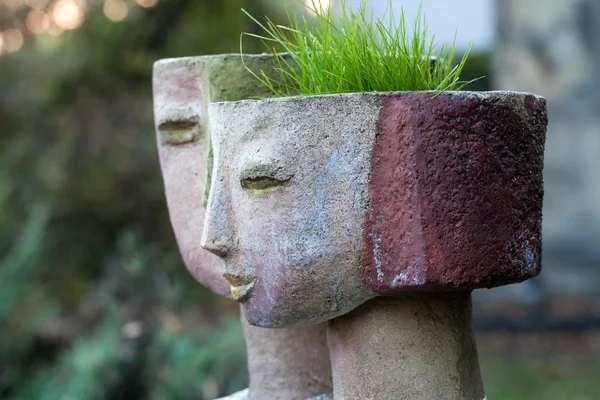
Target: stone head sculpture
pixel 284 363
pixel 182 89
pixel 320 203
pixel 180 101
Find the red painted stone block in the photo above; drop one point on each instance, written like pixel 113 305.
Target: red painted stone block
pixel 455 192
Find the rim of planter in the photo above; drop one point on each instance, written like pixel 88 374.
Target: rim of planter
pixel 211 57
pixel 434 93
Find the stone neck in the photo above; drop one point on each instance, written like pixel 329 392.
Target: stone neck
pixel 287 363
pixel 418 346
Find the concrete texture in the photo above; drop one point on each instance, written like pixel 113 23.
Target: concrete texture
pixel 414 347
pixel 320 203
pixel 455 192
pixel 287 205
pixel 180 100
pixel 287 363
pixel 551 47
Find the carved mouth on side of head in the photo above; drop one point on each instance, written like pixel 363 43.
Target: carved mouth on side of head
pixel 240 286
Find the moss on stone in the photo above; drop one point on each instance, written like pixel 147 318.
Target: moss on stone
pixel 227 78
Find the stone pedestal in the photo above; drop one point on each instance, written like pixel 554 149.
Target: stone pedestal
pixel 418 346
pixel 287 363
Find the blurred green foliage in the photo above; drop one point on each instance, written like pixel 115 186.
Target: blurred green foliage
pixel 94 300
pixel 546 376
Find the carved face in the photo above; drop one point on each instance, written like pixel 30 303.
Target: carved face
pixel 287 205
pixel 179 110
pixel 182 89
pixel 319 203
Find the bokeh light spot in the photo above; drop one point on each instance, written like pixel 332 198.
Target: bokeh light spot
pixel 37 21
pixel 12 40
pixel 67 14
pixel 147 3
pixel 115 10
pixel 319 5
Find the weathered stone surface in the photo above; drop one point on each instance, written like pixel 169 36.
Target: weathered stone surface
pixel 288 363
pixel 455 195
pixel 321 202
pixel 417 346
pixel 287 205
pixel 179 110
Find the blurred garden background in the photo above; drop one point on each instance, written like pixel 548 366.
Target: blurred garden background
pixel 95 302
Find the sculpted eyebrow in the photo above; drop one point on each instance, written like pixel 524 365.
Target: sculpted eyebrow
pixel 260 170
pixel 178 119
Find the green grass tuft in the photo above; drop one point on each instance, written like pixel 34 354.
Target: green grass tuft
pixel 354 52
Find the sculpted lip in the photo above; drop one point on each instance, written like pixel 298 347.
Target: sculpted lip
pixel 239 293
pixel 240 286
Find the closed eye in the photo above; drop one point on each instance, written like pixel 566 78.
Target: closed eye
pixel 178 125
pixel 262 183
pixel 260 178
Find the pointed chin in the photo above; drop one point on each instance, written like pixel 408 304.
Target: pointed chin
pixel 302 296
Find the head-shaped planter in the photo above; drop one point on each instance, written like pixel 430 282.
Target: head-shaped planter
pixel 320 203
pixel 285 363
pixel 182 89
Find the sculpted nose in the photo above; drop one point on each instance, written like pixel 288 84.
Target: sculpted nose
pixel 220 246
pixel 218 235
